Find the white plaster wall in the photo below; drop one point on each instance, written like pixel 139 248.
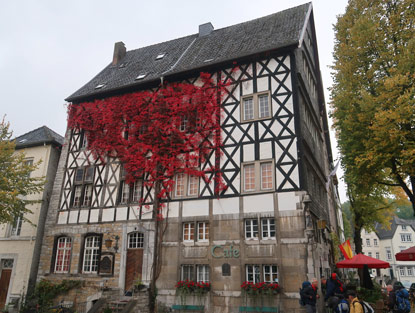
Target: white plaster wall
pixel 108 215
pixel 226 206
pixel 258 203
pixel 287 201
pixel 195 208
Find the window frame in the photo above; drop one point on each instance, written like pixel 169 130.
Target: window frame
pixel 16 226
pixel 403 227
pixel 67 253
pixel 258 178
pixel 187 181
pixel 271 272
pixel 259 221
pixel 137 242
pixel 367 242
pixel 94 256
pixel 375 242
pixel 256 109
pixel 188 233
pixel 131 189
pixel 269 228
pixel 205 231
pixel 78 200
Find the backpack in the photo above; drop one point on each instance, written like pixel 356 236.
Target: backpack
pixel 367 308
pixel 304 286
pixel 342 307
pixel 402 304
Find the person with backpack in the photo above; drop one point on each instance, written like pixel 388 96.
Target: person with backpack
pixel 399 299
pixel 308 296
pixel 334 287
pixel 342 306
pixel 354 303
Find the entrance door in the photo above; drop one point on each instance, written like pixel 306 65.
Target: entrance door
pixel 134 266
pixel 4 286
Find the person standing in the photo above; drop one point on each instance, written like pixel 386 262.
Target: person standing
pixel 355 306
pixel 309 295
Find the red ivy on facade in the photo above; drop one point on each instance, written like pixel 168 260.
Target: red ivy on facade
pixel 157 133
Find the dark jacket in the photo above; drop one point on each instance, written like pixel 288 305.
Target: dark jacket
pixel 392 296
pixel 334 286
pixel 309 295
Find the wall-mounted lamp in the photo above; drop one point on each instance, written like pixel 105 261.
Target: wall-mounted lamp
pixel 108 243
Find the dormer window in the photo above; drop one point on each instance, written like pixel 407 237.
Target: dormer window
pixel 141 76
pixel 160 56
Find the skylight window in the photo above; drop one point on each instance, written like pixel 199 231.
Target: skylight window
pixel 208 60
pixel 22 140
pixel 141 76
pixel 160 56
pixel 99 86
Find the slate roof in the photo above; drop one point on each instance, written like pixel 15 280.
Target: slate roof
pixel 37 137
pixel 388 233
pixel 278 30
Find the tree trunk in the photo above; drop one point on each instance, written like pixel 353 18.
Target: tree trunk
pixel 154 273
pixel 358 248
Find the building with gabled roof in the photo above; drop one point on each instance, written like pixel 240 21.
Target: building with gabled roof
pixel 273 126
pixel 20 241
pixel 384 243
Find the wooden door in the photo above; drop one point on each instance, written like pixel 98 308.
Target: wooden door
pixel 134 267
pixel 4 286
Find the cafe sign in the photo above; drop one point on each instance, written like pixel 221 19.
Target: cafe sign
pixel 219 251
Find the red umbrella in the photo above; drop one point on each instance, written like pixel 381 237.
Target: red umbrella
pixel 359 260
pixel 406 255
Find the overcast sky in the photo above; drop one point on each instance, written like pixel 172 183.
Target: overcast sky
pixel 49 48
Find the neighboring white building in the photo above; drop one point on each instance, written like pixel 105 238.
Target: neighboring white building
pixel 385 243
pixel 20 241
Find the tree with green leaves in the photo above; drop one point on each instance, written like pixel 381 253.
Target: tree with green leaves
pixel 373 105
pixel 15 180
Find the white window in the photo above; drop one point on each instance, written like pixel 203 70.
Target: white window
pixel 83 142
pixel 375 242
pixel 408 237
pixel 251 228
pixel 28 162
pixel 377 255
pixel 202 273
pixel 256 106
pixel 258 176
pixel 188 231
pixel 135 240
pixel 409 271
pixel 63 255
pixel 129 192
pixel 268 228
pixel 270 273
pixel 186 185
pixel 183 123
pixel 16 226
pixel 368 242
pixel 369 254
pixel 403 227
pixel 92 249
pixel 388 254
pixel 252 273
pixel 187 272
pixel 403 238
pixel 402 271
pixel 202 231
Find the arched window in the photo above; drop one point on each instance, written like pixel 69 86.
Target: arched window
pixel 135 240
pixel 63 254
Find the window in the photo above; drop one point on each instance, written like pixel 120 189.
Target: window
pixel 368 242
pixel 388 254
pixel 202 231
pixel 16 226
pixel 63 255
pixel 406 237
pixel 135 240
pixel 251 228
pixel 252 273
pixel 270 273
pixel 199 271
pixel 409 271
pixel 188 231
pixel 402 271
pixel 28 162
pixel 403 227
pixel 369 254
pixel 268 228
pixel 129 192
pixel 258 176
pixel 256 106
pixel 82 193
pixel 377 255
pixel 202 273
pixel 186 185
pixel 92 250
pixel 83 142
pixel 375 242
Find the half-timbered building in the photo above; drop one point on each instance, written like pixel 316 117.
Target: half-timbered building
pixel 275 220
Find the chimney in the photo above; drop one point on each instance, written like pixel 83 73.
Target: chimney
pixel 119 52
pixel 205 29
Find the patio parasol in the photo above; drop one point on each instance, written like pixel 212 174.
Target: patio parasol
pixel 406 255
pixel 360 260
